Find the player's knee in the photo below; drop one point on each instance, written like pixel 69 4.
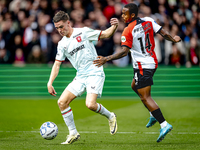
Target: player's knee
pixel 143 99
pixel 91 106
pixel 62 104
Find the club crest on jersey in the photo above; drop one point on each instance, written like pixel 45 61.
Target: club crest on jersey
pixel 78 38
pixel 123 39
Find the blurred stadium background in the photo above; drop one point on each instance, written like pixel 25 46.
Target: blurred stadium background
pixel 28 42
pixel 32 81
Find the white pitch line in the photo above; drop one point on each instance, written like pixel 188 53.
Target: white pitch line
pixel 87 132
pixel 124 132
pixel 95 132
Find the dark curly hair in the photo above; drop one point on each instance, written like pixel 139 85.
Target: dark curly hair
pixel 133 8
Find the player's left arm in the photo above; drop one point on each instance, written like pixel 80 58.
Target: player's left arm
pixel 102 60
pixel 110 31
pixel 168 37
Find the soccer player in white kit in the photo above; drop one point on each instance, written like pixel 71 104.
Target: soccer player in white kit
pixel 138 38
pixel 77 46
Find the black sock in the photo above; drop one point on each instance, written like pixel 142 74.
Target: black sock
pixel 158 115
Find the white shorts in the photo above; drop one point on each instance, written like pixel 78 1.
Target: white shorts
pixel 91 84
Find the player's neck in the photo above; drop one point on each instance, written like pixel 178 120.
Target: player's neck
pixel 133 19
pixel 70 32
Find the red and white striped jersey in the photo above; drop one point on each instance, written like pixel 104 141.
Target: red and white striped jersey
pixel 139 37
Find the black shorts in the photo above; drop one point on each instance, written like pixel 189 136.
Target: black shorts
pixel 144 78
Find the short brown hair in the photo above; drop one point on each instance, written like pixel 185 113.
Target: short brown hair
pixel 60 15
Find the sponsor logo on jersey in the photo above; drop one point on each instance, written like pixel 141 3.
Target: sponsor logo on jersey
pixel 77 49
pixel 77 35
pixel 138 29
pixel 123 39
pixel 146 27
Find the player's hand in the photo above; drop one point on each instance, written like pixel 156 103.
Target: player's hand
pixel 114 21
pixel 177 38
pixel 51 90
pixel 99 61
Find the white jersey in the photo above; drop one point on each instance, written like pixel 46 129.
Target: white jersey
pixel 80 50
pixel 139 37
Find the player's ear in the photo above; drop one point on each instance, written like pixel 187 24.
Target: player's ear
pixel 132 15
pixel 68 22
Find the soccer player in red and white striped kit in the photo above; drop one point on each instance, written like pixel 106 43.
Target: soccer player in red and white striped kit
pixel 138 38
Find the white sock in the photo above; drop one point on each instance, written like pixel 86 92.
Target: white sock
pixel 151 114
pixel 163 124
pixel 103 111
pixel 69 120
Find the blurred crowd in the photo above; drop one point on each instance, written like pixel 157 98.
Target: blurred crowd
pixel 27 33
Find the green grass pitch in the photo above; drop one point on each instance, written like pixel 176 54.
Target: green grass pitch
pixel 20 120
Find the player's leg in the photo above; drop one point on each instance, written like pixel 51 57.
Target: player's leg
pixel 145 96
pixel 96 107
pixel 152 120
pixel 134 87
pixel 67 114
pixel 99 108
pixel 73 90
pixel 66 110
pixel 94 86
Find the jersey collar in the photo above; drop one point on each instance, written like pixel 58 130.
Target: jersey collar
pixel 137 18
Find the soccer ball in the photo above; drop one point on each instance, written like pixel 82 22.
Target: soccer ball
pixel 49 130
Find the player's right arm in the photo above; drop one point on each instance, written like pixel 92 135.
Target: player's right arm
pixel 54 73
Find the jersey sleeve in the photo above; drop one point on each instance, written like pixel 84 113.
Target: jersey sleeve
pixel 60 53
pixel 92 35
pixel 156 27
pixel 127 38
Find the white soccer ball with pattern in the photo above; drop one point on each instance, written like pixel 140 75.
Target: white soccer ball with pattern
pixel 49 130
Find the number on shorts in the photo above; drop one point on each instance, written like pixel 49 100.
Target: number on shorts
pixel 136 78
